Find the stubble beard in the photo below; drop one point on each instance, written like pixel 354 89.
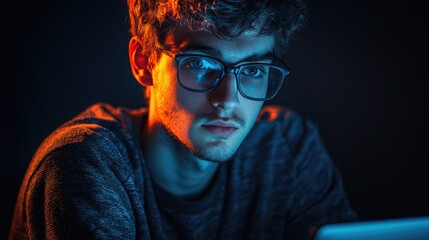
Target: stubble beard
pixel 216 151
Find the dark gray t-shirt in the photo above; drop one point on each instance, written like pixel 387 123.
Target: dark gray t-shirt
pixel 88 180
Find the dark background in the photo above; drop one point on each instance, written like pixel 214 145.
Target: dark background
pixel 359 71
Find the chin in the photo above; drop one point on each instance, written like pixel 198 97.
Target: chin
pixel 217 151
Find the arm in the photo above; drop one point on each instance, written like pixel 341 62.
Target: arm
pixel 74 194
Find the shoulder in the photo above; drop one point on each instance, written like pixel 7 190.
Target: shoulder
pixel 83 170
pixel 281 140
pixel 282 125
pixel 101 135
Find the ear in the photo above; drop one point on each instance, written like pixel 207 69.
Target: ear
pixel 139 62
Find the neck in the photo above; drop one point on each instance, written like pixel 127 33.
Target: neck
pixel 172 166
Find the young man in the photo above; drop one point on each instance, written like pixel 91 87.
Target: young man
pixel 205 160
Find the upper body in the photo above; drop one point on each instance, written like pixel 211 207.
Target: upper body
pixel 206 160
pixel 90 180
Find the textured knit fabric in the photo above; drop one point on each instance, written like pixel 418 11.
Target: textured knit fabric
pixel 89 180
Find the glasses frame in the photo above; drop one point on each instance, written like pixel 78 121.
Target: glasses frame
pixel 226 68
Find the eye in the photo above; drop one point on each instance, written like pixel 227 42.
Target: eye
pixel 253 71
pixel 199 63
pixel 195 63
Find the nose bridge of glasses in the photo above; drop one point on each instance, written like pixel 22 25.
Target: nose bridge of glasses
pixel 234 71
pixel 233 76
pixel 231 69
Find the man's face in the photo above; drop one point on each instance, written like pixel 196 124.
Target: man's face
pixel 212 124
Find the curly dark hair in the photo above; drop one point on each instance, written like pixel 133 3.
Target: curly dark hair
pixel 151 20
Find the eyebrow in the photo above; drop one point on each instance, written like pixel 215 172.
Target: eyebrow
pixel 256 57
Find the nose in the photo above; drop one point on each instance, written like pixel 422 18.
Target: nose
pixel 225 95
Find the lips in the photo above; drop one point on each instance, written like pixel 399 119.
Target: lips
pixel 221 128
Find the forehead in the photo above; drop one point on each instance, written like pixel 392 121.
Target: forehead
pixel 229 50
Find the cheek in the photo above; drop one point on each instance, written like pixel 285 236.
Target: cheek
pixel 190 101
pixel 164 84
pixel 176 107
pixel 169 92
pixel 251 109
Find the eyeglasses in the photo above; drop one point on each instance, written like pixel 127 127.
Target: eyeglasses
pixel 255 81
